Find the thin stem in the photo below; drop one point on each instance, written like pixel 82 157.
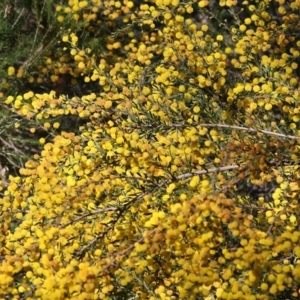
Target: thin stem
pixel 94 212
pixel 286 136
pixel 123 209
pixel 252 130
pixel 139 241
pixel 211 170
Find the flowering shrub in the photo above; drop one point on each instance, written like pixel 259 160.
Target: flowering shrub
pixel 181 108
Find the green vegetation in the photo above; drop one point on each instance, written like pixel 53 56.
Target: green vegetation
pixel 153 150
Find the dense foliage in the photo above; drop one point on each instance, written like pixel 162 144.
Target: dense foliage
pixel 182 179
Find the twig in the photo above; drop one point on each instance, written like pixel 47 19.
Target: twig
pixel 252 130
pixel 28 294
pixel 132 177
pixel 253 207
pixel 95 240
pixel 33 57
pixel 94 212
pixel 18 18
pixel 123 209
pixel 11 146
pixel 225 126
pixel 275 219
pixel 212 170
pixel 126 250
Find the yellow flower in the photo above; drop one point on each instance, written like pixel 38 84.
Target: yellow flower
pixel 56 125
pixel 11 71
pixel 203 3
pixel 42 141
pixel 60 19
pixel 71 181
pixel 195 181
pixel 9 100
pixel 65 38
pixel 170 188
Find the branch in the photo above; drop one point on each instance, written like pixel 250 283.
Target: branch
pixel 82 251
pixel 94 212
pixel 120 253
pixel 252 130
pixel 212 170
pixel 286 136
pixel 124 208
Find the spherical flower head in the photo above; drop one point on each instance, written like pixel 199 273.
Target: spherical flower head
pixel 11 71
